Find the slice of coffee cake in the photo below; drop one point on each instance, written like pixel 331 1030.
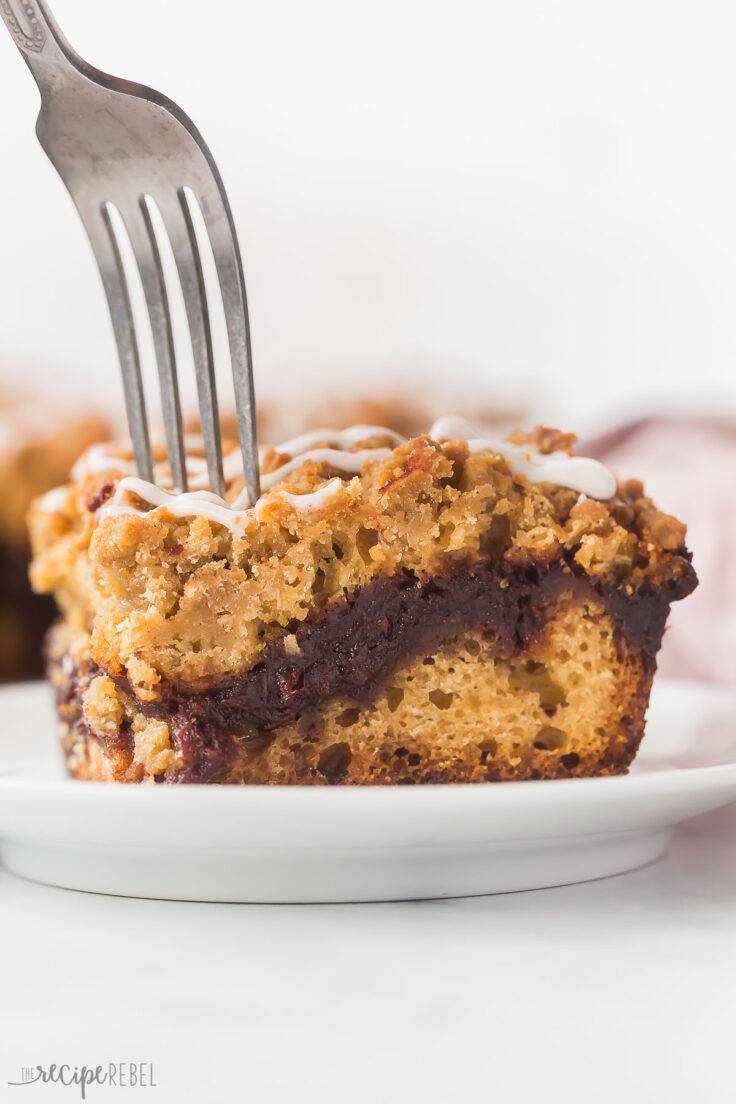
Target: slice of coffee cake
pixel 447 609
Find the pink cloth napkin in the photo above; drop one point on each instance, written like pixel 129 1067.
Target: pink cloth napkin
pixel 688 467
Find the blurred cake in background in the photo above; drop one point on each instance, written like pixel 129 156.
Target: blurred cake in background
pixel 38 446
pixel 406 412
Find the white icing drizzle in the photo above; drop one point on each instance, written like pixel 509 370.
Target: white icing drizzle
pixel 206 504
pixel 579 473
pixel 348 462
pixel 587 477
pixel 54 500
pixel 103 458
pixel 180 505
pixel 305 503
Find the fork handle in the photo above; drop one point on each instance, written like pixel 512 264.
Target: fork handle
pixel 37 36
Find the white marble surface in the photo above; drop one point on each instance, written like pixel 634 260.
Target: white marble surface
pixel 616 990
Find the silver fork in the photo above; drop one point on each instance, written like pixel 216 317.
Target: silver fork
pixel 124 150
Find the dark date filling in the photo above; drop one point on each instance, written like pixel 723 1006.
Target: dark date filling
pixel 350 649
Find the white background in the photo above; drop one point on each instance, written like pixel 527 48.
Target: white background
pixel 515 195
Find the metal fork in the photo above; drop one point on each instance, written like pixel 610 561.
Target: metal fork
pixel 124 150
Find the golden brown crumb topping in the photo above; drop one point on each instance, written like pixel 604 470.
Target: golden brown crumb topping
pixel 545 440
pixel 191 600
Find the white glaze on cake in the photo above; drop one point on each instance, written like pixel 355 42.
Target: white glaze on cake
pixel 191 504
pixel 54 500
pixel 207 504
pixel 305 503
pixel 579 473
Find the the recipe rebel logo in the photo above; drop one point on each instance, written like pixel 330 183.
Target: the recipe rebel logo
pixel 113 1075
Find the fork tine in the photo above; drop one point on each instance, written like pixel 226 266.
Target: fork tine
pixel 178 223
pixel 139 226
pixel 105 247
pixel 223 238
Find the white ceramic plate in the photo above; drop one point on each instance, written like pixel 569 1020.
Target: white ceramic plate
pixel 252 843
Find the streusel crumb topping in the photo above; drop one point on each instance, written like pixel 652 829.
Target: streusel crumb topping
pixel 189 600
